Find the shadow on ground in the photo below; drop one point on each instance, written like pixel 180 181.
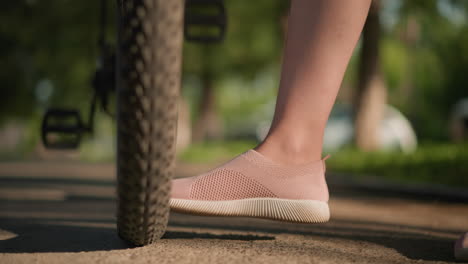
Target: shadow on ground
pixel 48 236
pixel 86 223
pixel 407 240
pixel 76 234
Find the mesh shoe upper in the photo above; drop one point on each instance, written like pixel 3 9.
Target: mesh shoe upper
pixel 251 175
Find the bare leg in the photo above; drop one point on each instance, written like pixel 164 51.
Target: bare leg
pixel 320 40
pixel 284 178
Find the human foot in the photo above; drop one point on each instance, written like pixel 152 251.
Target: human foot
pixel 461 247
pixel 253 185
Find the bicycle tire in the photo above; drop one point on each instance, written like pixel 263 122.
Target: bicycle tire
pixel 148 79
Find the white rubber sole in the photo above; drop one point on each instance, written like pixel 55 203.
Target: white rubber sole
pixel 299 211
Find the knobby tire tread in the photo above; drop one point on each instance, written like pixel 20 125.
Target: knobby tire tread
pixel 149 59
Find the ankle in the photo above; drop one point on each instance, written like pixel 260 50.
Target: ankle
pixel 289 152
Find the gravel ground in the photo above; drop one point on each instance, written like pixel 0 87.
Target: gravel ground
pixel 65 213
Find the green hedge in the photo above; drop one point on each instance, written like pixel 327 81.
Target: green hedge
pixel 431 163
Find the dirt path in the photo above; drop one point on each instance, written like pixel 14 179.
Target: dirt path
pixel 64 213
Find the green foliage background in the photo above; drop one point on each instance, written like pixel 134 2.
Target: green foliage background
pixel 56 40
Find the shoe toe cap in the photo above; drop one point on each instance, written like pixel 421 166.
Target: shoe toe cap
pixel 181 188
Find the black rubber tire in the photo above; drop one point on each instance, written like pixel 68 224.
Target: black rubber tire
pixel 149 68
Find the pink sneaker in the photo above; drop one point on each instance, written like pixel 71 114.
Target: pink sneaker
pixel 254 186
pixel 461 248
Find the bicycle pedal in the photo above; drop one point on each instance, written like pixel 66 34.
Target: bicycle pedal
pixel 205 21
pixel 62 129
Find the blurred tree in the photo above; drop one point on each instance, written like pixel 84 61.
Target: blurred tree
pixel 48 47
pixel 371 95
pixel 252 43
pixel 422 60
pixel 434 35
pixel 208 124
